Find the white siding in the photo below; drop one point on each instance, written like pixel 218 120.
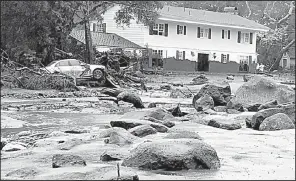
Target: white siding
pixel 133 33
pixel 139 34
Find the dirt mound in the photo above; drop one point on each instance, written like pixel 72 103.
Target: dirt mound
pixel 262 90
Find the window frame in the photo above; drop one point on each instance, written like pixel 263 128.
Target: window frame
pixel 159 31
pixel 242 60
pixel 204 33
pixel 181 29
pixel 244 38
pixel 224 58
pixel 100 27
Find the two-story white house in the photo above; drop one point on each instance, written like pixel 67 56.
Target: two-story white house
pixel 196 35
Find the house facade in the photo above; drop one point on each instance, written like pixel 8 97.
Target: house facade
pixel 191 34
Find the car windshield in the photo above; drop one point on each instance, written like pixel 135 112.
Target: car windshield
pixel 51 63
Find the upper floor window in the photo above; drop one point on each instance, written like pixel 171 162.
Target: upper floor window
pixel 204 33
pixel 225 34
pixel 245 37
pixel 101 27
pixel 159 29
pixel 98 27
pixel 181 30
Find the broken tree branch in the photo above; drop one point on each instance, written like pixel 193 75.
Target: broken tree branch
pixel 292 6
pixel 248 6
pixel 284 50
pixel 265 13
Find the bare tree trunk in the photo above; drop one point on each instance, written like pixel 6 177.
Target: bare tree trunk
pixel 88 39
pixel 281 53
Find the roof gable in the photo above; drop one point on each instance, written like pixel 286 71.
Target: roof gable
pixel 104 39
pixel 202 16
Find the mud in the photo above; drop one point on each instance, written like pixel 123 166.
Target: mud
pixel 244 153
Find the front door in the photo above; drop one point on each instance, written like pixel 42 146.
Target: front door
pixel 284 63
pixel 203 62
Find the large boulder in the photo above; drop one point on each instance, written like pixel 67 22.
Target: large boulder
pixel 64 160
pixel 3 142
pixel 142 130
pixel 14 146
pixel 183 134
pixel 253 107
pixel 203 103
pixel 107 132
pixel 173 154
pixel 130 98
pixel 121 138
pixel 128 124
pixel 157 113
pixel 168 124
pixel 219 91
pixel 114 155
pixel 217 124
pixel 289 109
pixel 236 106
pixel 275 122
pixel 258 118
pixel 262 90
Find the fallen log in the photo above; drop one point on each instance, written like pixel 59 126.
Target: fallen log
pixel 111 92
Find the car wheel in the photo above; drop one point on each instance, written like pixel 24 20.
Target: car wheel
pixel 99 76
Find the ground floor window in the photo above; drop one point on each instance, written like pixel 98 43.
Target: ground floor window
pixel 224 58
pixel 180 55
pixel 158 52
pixel 244 64
pixel 243 59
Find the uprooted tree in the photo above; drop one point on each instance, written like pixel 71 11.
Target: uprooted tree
pixel 44 26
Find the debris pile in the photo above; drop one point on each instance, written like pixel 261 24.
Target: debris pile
pixel 199 80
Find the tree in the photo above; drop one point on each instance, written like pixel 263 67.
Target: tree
pixel 35 25
pixel 44 25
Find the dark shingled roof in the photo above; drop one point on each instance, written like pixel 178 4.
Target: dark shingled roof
pixel 105 39
pixel 202 16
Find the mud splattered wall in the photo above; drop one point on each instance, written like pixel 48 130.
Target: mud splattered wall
pixel 171 64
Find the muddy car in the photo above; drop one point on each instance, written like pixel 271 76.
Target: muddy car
pixel 78 69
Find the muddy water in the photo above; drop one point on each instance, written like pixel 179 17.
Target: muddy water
pixel 52 121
